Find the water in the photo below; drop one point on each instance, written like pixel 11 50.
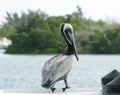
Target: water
pixel 24 71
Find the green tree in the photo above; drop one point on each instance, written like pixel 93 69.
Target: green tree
pixel 36 32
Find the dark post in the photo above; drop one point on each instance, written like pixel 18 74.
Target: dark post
pixel 107 78
pixel 114 86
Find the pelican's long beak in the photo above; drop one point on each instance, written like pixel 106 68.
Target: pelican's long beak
pixel 74 47
pixel 72 43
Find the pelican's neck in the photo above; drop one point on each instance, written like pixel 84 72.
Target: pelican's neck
pixel 69 50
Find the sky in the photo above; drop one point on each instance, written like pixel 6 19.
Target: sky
pixel 94 9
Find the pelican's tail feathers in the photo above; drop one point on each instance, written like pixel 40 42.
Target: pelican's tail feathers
pixel 48 84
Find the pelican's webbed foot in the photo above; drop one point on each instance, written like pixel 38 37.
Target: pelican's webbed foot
pixel 53 89
pixel 65 88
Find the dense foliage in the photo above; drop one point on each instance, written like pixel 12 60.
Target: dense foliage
pixel 37 33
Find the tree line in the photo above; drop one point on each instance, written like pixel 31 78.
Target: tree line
pixel 36 32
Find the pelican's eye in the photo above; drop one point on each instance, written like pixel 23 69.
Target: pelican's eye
pixel 68 30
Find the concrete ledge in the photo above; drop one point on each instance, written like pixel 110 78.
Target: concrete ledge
pixel 73 91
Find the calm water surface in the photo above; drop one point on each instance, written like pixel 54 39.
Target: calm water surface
pixel 24 71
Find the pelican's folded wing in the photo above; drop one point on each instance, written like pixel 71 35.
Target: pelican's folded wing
pixel 62 67
pixel 56 68
pixel 47 70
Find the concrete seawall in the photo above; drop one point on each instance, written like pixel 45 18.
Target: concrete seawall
pixel 72 91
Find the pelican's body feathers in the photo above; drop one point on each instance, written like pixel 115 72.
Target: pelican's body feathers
pixel 56 69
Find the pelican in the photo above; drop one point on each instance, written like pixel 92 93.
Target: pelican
pixel 58 67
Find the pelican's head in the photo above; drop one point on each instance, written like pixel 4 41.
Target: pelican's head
pixel 67 32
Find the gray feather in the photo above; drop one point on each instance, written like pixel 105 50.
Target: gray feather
pixel 56 68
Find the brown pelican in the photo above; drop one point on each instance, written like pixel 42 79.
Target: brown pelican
pixel 58 67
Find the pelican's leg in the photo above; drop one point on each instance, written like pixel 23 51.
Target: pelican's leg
pixel 53 89
pixel 66 85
